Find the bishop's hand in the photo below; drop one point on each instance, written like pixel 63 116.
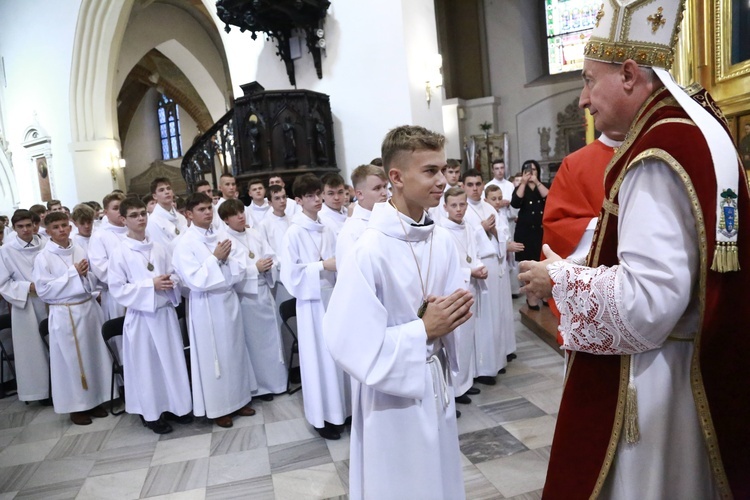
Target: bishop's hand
pixel 535 277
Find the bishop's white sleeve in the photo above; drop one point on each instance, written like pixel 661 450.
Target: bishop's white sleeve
pixel 390 359
pixel 16 292
pixel 301 279
pixel 633 306
pixel 138 294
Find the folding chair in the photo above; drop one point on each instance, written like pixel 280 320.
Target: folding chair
pixel 287 311
pixel 5 357
pixel 111 329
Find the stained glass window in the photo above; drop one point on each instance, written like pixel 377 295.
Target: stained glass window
pixel 569 25
pixel 169 128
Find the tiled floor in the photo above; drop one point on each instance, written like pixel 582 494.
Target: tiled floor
pixel 505 436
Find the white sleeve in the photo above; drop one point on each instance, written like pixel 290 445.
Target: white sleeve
pixel 633 306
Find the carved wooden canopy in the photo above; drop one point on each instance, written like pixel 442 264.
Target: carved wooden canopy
pixel 280 20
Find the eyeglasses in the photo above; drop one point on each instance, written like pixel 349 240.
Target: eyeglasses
pixel 136 215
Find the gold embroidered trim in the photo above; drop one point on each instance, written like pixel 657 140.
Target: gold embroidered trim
pixel 696 378
pixel 641 52
pixel 611 207
pixel 614 439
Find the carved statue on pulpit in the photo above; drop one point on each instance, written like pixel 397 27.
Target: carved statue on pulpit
pixel 321 142
pixel 253 138
pixel 290 142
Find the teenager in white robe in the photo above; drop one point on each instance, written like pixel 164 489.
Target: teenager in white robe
pixel 259 207
pixel 17 287
pixel 474 274
pixel 333 213
pixel 83 219
pixel 257 305
pixel 142 279
pixel 308 271
pixel 273 228
pixel 452 173
pixel 507 248
pixel 404 439
pixel 80 364
pixel 101 245
pixel 222 374
pixel 490 350
pixel 369 184
pixel 165 223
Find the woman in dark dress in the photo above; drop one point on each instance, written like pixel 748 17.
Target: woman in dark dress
pixel 529 198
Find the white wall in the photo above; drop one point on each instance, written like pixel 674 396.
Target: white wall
pixel 516 57
pixel 36 41
pixel 142 145
pixel 371 70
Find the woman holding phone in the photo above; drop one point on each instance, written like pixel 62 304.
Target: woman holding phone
pixel 529 198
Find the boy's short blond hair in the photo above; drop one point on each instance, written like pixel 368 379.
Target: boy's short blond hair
pixel 83 213
pixel 409 138
pixel 454 191
pixel 362 172
pixel 491 188
pixel 112 197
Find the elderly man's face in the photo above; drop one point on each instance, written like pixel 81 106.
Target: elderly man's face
pixel 603 95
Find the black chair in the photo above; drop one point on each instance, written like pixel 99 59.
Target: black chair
pixel 287 311
pixel 44 332
pixel 5 357
pixel 181 311
pixel 110 330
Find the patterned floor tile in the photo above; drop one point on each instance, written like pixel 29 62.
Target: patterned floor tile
pixel 534 432
pixel 123 486
pixel 122 459
pixel 240 466
pixel 182 450
pixel 259 488
pixel 59 471
pixel 80 444
pixel 180 476
pixel 512 409
pixel 241 439
pixel 26 453
pixel 516 474
pixel 298 455
pixel 56 491
pixel 321 481
pixel 15 477
pixel 489 444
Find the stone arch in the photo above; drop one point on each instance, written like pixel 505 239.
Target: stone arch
pixel 100 30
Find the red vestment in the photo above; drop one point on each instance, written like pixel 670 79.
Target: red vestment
pixel 590 420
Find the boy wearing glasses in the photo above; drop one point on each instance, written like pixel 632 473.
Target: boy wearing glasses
pixel 143 280
pixel 308 271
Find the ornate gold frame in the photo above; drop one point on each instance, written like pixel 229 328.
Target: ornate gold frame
pixel 725 70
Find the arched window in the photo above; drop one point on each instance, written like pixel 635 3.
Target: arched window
pixel 569 25
pixel 169 128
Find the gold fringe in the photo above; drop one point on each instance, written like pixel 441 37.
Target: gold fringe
pixel 632 431
pixel 726 258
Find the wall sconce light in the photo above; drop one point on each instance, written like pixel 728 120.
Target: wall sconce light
pixel 114 163
pixel 434 72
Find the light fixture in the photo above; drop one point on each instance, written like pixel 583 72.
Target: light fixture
pixel 113 163
pixel 434 72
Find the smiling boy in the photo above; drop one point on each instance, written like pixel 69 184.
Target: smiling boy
pixel 403 278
